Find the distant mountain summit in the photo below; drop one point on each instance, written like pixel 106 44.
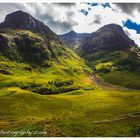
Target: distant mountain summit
pixel 23 20
pixel 109 37
pixel 72 37
pixel 74 40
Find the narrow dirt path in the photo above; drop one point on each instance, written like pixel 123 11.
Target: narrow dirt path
pixel 104 85
pixel 133 116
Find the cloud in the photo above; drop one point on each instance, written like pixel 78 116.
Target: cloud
pixel 128 8
pixel 97 17
pixel 68 5
pixel 59 17
pixel 86 10
pixel 7 8
pixel 133 35
pixel 97 20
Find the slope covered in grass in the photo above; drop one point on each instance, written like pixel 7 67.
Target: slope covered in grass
pixel 89 114
pixel 119 67
pixel 36 66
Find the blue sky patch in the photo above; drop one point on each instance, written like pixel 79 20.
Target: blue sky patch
pixel 106 5
pixel 132 25
pixel 92 4
pixel 85 12
pixel 102 4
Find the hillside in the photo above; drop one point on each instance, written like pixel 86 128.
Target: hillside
pixel 115 56
pixel 33 58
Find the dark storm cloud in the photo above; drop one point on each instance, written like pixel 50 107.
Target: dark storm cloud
pixel 69 5
pixel 7 8
pixel 49 17
pixel 128 7
pixel 97 20
pixel 56 25
pixel 62 27
pixel 46 13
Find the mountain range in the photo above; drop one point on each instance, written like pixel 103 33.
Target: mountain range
pixel 108 51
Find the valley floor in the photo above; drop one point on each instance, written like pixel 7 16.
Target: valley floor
pixel 98 112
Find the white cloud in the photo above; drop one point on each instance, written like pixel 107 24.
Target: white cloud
pixel 133 35
pixel 107 16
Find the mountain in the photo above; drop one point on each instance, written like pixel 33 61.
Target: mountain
pixel 109 37
pixel 31 51
pixel 27 39
pixel 73 39
pixel 113 55
pixel 72 36
pixel 23 20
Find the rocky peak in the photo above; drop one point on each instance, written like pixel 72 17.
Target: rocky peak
pixel 108 37
pixel 20 19
pixel 111 27
pixel 23 20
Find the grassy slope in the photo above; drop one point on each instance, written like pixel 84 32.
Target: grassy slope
pixel 64 66
pixel 118 67
pixel 123 78
pixel 70 115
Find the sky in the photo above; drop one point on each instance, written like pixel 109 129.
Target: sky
pixel 81 17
